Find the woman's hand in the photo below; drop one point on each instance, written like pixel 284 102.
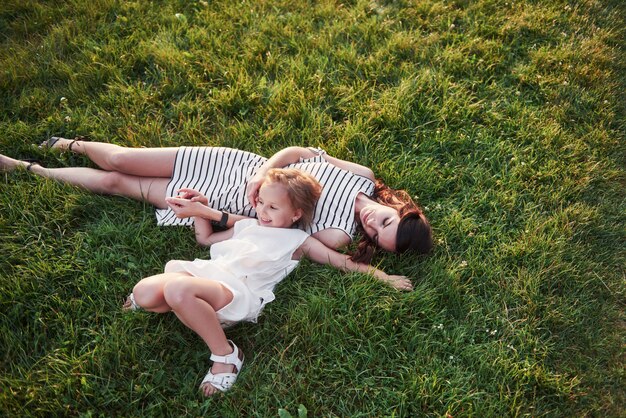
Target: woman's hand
pixel 188 203
pixel 185 208
pixel 315 250
pixel 193 195
pixel 254 184
pixel 399 282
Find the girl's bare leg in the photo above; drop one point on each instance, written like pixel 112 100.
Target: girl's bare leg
pixel 194 301
pixel 148 293
pixel 143 162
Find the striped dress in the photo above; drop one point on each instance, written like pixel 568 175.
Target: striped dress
pixel 221 174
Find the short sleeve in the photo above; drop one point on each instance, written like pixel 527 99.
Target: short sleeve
pixel 241 224
pixel 318 158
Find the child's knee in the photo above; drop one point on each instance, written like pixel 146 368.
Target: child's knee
pixel 146 294
pixel 177 292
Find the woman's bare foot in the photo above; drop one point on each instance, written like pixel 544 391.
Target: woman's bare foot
pixel 9 164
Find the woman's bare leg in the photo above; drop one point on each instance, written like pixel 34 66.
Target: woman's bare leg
pixel 143 162
pixel 146 189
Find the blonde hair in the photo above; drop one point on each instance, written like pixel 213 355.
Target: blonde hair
pixel 302 188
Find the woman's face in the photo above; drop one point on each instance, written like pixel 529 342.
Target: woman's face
pixel 380 223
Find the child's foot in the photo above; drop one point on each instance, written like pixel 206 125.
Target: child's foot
pixel 217 369
pixel 9 164
pixel 224 372
pixel 130 304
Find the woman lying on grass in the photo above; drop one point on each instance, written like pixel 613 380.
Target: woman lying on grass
pixel 247 261
pixel 352 200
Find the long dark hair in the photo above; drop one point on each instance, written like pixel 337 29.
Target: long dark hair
pixel 414 231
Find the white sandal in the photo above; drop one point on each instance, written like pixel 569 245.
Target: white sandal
pixel 224 381
pixel 133 305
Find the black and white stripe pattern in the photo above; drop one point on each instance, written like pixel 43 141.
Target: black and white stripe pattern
pixel 221 174
pixel 335 207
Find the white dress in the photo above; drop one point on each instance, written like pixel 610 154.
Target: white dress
pixel 250 265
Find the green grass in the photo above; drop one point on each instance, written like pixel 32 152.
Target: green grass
pixel 505 119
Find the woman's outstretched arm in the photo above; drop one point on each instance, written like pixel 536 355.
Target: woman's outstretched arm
pixel 291 155
pixel 318 252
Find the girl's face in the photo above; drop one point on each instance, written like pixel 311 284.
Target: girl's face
pixel 274 208
pixel 380 223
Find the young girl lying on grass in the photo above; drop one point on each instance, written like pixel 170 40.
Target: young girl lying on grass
pixel 247 261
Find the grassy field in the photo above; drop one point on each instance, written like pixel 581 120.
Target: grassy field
pixel 506 120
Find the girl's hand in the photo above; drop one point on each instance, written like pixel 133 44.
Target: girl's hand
pixel 193 195
pixel 185 208
pixel 399 282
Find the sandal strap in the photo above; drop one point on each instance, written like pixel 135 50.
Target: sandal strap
pixel 232 358
pixel 221 381
pixel 133 304
pixel 224 381
pixel 50 142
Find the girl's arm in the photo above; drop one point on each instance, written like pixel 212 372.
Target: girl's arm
pixel 203 230
pixel 194 204
pixel 191 203
pixel 292 155
pixel 205 235
pixel 318 252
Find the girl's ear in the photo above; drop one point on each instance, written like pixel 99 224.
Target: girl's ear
pixel 297 214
